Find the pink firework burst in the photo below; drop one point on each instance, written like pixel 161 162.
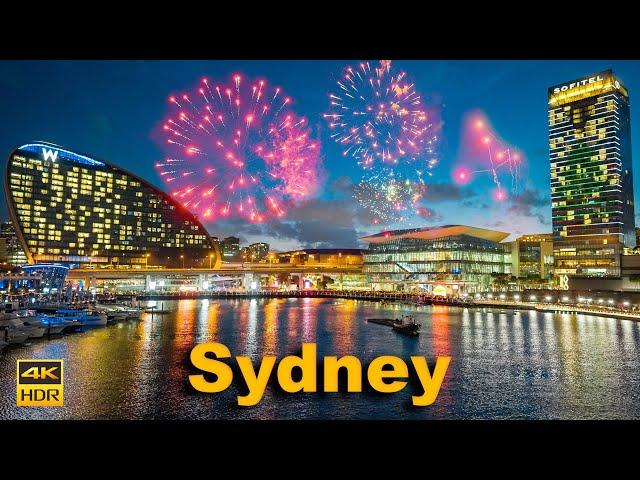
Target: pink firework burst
pixel 238 150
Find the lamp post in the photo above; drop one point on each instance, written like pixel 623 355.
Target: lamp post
pixel 182 257
pixel 146 260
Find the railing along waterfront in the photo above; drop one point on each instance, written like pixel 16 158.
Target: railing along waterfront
pixel 404 297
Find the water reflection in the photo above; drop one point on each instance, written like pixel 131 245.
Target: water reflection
pixel 504 364
pixel 270 328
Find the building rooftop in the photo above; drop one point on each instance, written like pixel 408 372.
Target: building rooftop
pixel 428 233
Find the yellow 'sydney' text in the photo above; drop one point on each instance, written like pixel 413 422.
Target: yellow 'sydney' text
pixel 385 374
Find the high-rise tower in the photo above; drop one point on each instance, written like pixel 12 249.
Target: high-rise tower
pixel 591 177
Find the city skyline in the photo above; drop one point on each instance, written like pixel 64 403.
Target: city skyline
pixel 123 133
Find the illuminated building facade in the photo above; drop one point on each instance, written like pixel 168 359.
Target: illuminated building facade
pixel 335 257
pixel 591 175
pixel 532 256
pixel 258 251
pixel 12 251
pixel 457 258
pixel 230 248
pixel 52 276
pixel 73 209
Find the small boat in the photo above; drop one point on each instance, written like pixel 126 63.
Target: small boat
pixel 131 313
pixel 54 325
pixel 405 325
pixel 87 318
pixel 16 337
pixel 389 322
pixel 115 315
pixel 120 312
pixel 34 328
pixel 24 323
pixel 156 310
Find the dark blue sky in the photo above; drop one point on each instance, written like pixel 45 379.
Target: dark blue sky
pixel 108 109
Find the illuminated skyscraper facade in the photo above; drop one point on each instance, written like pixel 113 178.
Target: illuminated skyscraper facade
pixel 74 209
pixel 591 175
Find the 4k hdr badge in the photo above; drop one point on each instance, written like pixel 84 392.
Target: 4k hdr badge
pixel 40 383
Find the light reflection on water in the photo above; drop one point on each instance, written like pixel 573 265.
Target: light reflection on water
pixel 505 364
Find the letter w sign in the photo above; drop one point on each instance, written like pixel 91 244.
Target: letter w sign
pixel 50 154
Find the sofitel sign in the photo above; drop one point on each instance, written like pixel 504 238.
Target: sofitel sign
pixel 582 83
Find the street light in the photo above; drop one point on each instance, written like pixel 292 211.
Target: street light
pixel 547 298
pixel 532 298
pixel 516 298
pixel 146 260
pixel 182 258
pixel 210 260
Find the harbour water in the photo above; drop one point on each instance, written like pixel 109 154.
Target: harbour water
pixel 505 364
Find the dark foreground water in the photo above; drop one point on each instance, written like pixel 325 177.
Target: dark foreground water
pixel 504 364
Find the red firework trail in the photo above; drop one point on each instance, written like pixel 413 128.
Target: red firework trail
pixel 498 157
pixel 238 149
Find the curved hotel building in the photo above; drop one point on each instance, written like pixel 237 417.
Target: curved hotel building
pixel 448 260
pixel 73 209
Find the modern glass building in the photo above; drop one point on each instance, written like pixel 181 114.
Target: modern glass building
pixel 451 259
pixel 591 175
pixel 52 276
pixel 73 209
pixel 532 256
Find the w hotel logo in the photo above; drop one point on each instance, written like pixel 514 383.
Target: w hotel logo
pixel 50 154
pixel 40 383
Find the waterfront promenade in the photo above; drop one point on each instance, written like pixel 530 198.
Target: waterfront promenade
pixel 413 298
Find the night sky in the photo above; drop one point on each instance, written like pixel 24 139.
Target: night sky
pixel 109 109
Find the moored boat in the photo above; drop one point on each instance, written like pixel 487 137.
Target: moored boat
pixel 16 337
pixel 86 317
pixel 24 321
pixel 54 325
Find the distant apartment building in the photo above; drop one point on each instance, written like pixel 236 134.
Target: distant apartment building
pixel 230 249
pixel 322 256
pixel 11 251
pixel 258 251
pixel 245 254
